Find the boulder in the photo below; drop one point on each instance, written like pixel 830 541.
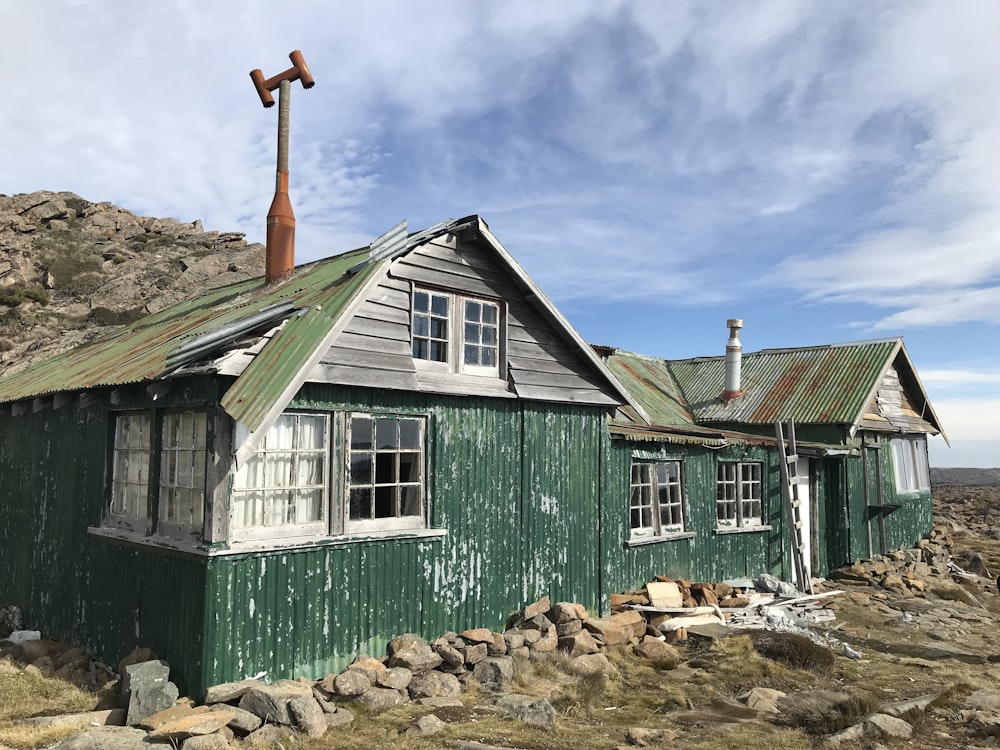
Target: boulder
pixel 105 738
pixel 581 642
pixel 477 635
pixel 352 682
pixel 341 718
pixel 494 672
pixel 308 715
pixel 229 691
pixel 146 690
pixel 397 678
pixel 426 726
pixel 762 699
pixel 381 699
pixel 885 727
pixel 411 651
pixel 434 684
pixel 654 648
pixel 206 742
pixel 611 633
pixel 528 709
pixel 270 702
pixel 593 664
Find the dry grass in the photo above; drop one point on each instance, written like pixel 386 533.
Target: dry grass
pixel 27 693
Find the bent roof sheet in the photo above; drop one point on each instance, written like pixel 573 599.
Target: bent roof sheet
pixel 651 384
pixel 820 385
pixel 140 351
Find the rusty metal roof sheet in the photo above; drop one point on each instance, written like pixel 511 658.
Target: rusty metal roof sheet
pixel 817 385
pixel 156 345
pixel 651 384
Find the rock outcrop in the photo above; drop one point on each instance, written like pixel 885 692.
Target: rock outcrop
pixel 71 270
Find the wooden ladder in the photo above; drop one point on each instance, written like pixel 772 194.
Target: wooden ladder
pixel 789 463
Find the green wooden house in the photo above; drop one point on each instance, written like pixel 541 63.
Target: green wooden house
pixel 706 484
pixel 410 437
pixel 407 437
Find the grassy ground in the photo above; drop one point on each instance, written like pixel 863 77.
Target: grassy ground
pixel 694 704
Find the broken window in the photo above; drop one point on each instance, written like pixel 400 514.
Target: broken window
pixel 183 458
pixel 385 484
pixel 453 333
pixel 131 465
pixel 738 498
pixel 657 499
pixel 909 463
pixel 283 483
pixel 169 448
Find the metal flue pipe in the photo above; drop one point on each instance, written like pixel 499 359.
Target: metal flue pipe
pixel 280 253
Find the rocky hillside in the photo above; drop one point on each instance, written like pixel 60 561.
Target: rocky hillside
pixel 71 270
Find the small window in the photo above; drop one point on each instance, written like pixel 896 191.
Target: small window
pixel 132 463
pixel 282 485
pixel 738 495
pixel 385 475
pixel 183 458
pixel 909 462
pixel 453 333
pixel 657 500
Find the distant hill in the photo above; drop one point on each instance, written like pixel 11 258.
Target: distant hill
pixel 965 476
pixel 71 270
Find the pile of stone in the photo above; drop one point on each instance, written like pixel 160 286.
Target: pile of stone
pixel 431 674
pixel 905 571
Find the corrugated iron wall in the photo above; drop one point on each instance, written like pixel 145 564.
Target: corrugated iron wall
pixel 71 585
pixel 707 556
pixel 520 524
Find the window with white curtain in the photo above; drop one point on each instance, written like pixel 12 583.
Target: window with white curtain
pixel 283 484
pixel 909 463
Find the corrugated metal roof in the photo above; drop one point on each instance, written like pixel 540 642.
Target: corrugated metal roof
pixel 148 348
pixel 811 385
pixel 651 384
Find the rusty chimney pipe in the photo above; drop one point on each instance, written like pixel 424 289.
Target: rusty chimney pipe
pixel 734 361
pixel 280 253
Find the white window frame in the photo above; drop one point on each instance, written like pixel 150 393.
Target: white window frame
pixel 266 526
pixel 740 491
pixel 657 487
pixel 455 338
pixel 352 483
pixel 133 454
pixel 909 464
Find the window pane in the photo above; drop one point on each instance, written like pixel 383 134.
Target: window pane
pixel 409 434
pixel 409 467
pixel 420 349
pixel 312 432
pixel 439 305
pixel 310 470
pixel 471 333
pixel 386 434
pixel 385 468
pixel 385 502
pixel 421 300
pixel 361 468
pixel 471 356
pixel 361 503
pixel 473 311
pixel 489 358
pixel 490 314
pixel 361 433
pixel 409 501
pixel 309 506
pixel 421 325
pixel 439 328
pixel 439 352
pixel 489 336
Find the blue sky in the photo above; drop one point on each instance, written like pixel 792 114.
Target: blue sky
pixel 825 171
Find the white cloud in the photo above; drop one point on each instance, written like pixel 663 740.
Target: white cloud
pixel 944 377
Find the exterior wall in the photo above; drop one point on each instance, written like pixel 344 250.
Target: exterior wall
pixel 514 483
pixel 83 589
pixel 707 556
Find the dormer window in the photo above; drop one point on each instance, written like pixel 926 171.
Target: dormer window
pixel 455 333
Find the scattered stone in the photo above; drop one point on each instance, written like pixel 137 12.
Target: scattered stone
pixel 341 718
pixel 885 727
pixel 593 664
pixel 105 738
pixel 202 720
pixel 540 607
pixel 270 702
pixel 206 742
pixel 440 702
pixel 353 682
pixel 764 700
pixel 528 709
pixel 426 726
pixel 642 737
pixel 654 648
pixel 269 737
pixel 229 691
pixel 146 690
pixel 242 721
pixel 397 678
pixel 581 642
pixel 477 635
pixel 111 717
